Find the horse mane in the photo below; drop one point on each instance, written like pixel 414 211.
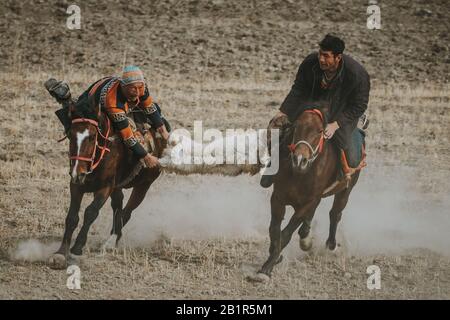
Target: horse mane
pixel 320 104
pixel 83 108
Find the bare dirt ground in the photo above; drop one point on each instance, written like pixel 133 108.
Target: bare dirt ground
pixel 230 64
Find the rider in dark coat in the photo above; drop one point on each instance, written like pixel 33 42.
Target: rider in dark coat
pixel 338 79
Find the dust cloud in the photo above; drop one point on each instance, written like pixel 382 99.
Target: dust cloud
pixel 33 250
pixel 387 213
pixel 390 210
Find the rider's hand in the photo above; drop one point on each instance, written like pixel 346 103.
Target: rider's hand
pixel 331 129
pixel 163 131
pixel 151 161
pixel 280 120
pixel 280 114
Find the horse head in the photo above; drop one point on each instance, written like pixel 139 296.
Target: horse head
pixel 83 145
pixel 307 138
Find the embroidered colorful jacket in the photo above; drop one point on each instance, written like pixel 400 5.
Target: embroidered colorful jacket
pixel 107 93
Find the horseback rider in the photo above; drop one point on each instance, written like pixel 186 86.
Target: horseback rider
pixel 338 79
pixel 117 96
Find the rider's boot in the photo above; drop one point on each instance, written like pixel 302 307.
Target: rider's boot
pixel 58 89
pixel 278 122
pixel 266 180
pixel 61 92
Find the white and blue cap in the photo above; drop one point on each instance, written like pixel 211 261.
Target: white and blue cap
pixel 131 74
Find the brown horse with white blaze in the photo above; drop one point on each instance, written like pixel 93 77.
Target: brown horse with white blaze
pixel 309 164
pixel 101 164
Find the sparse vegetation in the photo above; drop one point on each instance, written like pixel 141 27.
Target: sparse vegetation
pixel 226 89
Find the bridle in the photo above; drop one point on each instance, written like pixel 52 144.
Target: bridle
pixel 314 151
pixel 92 163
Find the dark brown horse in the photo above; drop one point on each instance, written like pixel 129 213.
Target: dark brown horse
pixel 308 167
pixel 101 164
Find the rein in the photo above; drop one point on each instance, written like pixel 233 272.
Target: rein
pixel 103 148
pixel 314 151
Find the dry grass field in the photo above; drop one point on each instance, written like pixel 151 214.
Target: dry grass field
pixel 198 237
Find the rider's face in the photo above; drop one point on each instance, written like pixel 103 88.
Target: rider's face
pixel 132 91
pixel 328 61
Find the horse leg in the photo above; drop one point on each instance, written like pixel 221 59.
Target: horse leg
pixel 305 235
pixel 339 203
pixel 58 259
pixel 278 211
pixel 303 215
pixel 136 198
pixel 117 206
pixel 90 214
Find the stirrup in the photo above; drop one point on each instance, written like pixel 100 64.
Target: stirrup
pixel 348 177
pixel 348 171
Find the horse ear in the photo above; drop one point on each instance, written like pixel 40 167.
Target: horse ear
pixel 325 109
pixel 71 110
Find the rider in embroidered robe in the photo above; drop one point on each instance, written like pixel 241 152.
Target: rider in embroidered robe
pixel 117 96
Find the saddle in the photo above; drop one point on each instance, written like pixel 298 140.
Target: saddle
pixel 141 131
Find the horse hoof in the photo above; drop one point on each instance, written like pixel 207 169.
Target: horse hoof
pixel 306 243
pixel 331 246
pixel 57 261
pixel 111 243
pixel 259 277
pixel 74 259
